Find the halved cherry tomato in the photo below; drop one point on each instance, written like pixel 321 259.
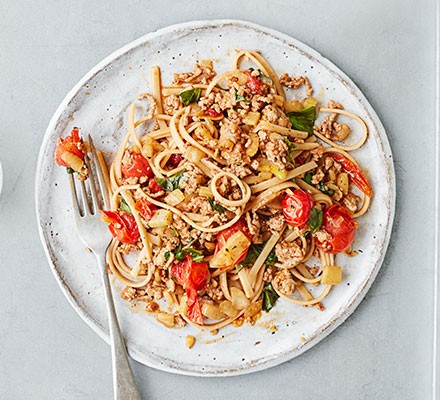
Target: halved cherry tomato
pixel 193 277
pixel 356 175
pixel 154 186
pixel 190 273
pixel 198 274
pixel 253 83
pixel 212 113
pixel 193 308
pixel 70 144
pixel 122 226
pixel 301 159
pixel 297 207
pixel 175 160
pixel 224 235
pixel 145 208
pixel 139 167
pixel 341 227
pixel 177 272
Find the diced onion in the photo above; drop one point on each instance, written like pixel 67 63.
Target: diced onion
pixel 161 218
pixel 331 275
pixel 175 197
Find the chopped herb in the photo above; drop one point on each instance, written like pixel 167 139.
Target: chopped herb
pixel 190 96
pixel 269 297
pixel 324 190
pixel 176 234
pixel 252 255
pixel 303 120
pixel 171 183
pixel 216 207
pixel 165 184
pixel 70 170
pixel 308 177
pixel 241 98
pixel 180 253
pixel 167 255
pixel 315 220
pixel 272 258
pixel 124 206
pixel 290 147
pixel 196 255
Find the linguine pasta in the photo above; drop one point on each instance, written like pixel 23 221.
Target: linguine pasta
pixel 226 195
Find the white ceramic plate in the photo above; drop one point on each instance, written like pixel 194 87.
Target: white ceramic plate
pixel 98 104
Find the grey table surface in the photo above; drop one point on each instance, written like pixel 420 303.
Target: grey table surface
pixel 383 351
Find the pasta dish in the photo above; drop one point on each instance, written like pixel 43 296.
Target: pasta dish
pixel 228 196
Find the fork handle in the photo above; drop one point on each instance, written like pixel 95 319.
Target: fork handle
pixel 124 384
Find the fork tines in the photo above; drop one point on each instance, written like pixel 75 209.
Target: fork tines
pixel 93 193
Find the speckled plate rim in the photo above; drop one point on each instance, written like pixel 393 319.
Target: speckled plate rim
pixel 339 318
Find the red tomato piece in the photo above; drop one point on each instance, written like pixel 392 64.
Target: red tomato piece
pixel 212 113
pixel 177 273
pixel 122 226
pixel 145 208
pixel 70 144
pixel 356 175
pixel 301 159
pixel 341 227
pixel 175 160
pixel 297 207
pixel 193 308
pixel 191 274
pixel 193 277
pixel 154 186
pixel 224 235
pixel 139 167
pixel 253 83
pixel 197 274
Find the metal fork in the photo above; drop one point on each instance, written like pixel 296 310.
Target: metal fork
pixel 91 231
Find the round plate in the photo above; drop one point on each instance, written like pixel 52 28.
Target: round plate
pixel 98 104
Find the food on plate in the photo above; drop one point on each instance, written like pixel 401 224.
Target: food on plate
pixel 70 152
pixel 232 191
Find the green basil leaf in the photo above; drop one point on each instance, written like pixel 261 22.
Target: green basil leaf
pixel 124 206
pixel 70 171
pixel 167 255
pixel 196 255
pixel 269 297
pixel 315 220
pixel 252 255
pixel 272 258
pixel 171 183
pixel 165 184
pixel 241 98
pixel 324 190
pixel 308 177
pixel 175 179
pixel 216 207
pixel 190 96
pixel 303 120
pixel 290 147
pixel 180 253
